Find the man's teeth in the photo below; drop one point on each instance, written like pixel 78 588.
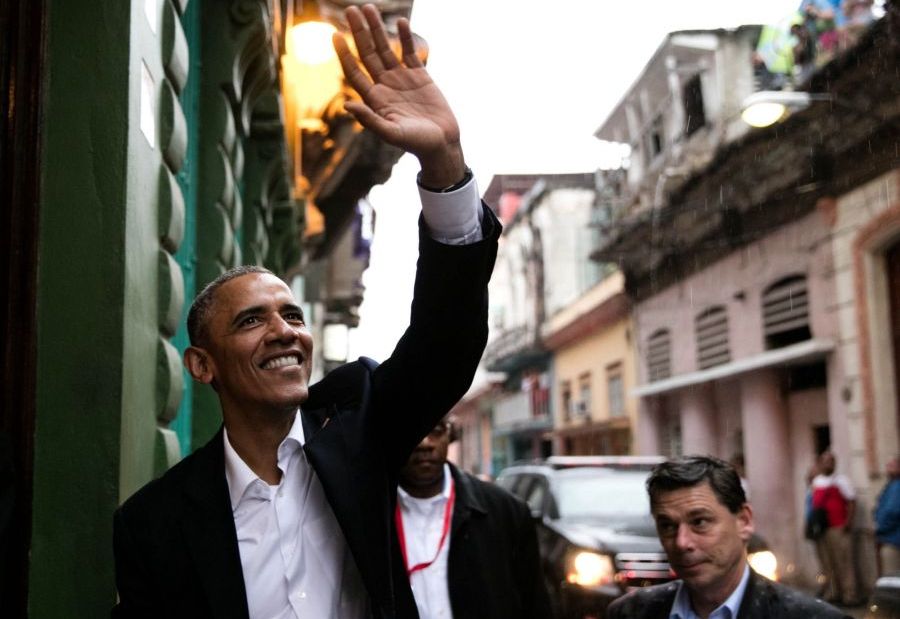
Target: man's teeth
pixel 280 362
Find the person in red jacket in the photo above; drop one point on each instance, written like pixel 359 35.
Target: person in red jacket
pixel 835 494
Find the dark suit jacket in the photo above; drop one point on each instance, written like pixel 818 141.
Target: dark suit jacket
pixel 763 599
pixel 175 542
pixel 493 566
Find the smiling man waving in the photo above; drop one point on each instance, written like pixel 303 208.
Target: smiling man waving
pixel 287 512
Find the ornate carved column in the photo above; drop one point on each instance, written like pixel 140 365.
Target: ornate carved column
pixel 243 185
pixel 171 216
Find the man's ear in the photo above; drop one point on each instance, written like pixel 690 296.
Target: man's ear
pixel 199 364
pixel 745 522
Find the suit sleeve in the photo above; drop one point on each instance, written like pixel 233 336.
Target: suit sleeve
pixel 136 594
pixel 433 363
pixel 612 611
pixel 533 591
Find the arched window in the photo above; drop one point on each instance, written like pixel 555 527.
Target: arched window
pixel 659 355
pixel 785 307
pixel 711 326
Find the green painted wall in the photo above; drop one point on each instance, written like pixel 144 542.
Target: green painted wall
pixel 80 308
pixel 110 293
pixel 144 152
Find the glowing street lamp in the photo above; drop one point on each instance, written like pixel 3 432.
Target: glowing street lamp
pixel 312 84
pixel 767 107
pixel 311 80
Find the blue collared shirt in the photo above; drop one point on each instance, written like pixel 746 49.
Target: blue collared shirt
pixel 682 609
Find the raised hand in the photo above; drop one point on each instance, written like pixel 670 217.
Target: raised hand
pixel 400 102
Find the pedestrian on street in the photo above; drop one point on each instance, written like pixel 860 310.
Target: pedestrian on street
pixel 287 512
pixel 834 493
pixel 704 522
pixel 470 547
pixel 887 520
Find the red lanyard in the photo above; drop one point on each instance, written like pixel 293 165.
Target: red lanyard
pixel 448 514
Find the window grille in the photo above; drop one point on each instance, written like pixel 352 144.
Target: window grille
pixel 712 338
pixel 785 306
pixel 615 390
pixel 659 356
pixel 567 403
pixel 584 388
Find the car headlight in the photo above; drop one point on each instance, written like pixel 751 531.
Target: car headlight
pixel 764 563
pixel 589 569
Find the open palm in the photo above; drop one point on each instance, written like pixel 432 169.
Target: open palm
pixel 400 102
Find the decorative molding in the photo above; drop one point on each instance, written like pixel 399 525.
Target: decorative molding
pixel 174 48
pixel 170 232
pixel 868 239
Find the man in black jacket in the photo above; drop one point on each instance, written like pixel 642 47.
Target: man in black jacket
pixel 469 546
pixel 704 522
pixel 287 512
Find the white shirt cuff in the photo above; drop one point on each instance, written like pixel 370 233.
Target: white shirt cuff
pixel 453 218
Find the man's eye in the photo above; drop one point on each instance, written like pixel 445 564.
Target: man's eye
pixel 665 528
pixel 294 317
pixel 700 523
pixel 249 320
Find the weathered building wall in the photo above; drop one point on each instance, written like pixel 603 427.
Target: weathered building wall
pixel 760 413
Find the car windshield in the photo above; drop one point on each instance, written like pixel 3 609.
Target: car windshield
pixel 603 493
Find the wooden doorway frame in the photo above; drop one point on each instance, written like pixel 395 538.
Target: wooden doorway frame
pixel 21 63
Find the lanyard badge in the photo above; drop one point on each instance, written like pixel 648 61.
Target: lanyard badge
pixel 448 515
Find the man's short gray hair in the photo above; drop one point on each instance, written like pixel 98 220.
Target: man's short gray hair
pixel 198 315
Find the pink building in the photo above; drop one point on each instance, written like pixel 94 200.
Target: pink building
pixel 764 271
pixel 738 359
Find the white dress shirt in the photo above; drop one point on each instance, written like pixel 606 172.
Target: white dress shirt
pixel 423 525
pixel 294 557
pixel 682 609
pixel 453 218
pixel 295 560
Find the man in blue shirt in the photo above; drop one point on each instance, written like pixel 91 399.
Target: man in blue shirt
pixel 887 520
pixel 704 521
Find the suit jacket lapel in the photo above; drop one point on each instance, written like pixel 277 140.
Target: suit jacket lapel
pixel 751 607
pixel 356 500
pixel 466 502
pixel 210 533
pixel 462 574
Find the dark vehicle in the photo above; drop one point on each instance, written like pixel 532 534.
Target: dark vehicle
pixel 597 538
pixel 884 603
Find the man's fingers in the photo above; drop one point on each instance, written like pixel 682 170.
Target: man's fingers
pixel 365 46
pixel 379 37
pixel 356 77
pixel 372 121
pixel 410 58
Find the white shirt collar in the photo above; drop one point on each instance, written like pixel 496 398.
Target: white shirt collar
pixel 682 609
pixel 407 501
pixel 239 476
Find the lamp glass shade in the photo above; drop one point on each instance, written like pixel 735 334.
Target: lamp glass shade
pixel 763 113
pixel 311 73
pixel 310 42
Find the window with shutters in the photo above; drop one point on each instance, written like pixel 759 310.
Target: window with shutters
pixel 615 390
pixel 659 356
pixel 584 395
pixel 670 435
pixel 785 307
pixel 567 404
pixel 712 338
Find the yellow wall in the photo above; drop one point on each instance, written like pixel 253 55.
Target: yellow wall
pixel 593 354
